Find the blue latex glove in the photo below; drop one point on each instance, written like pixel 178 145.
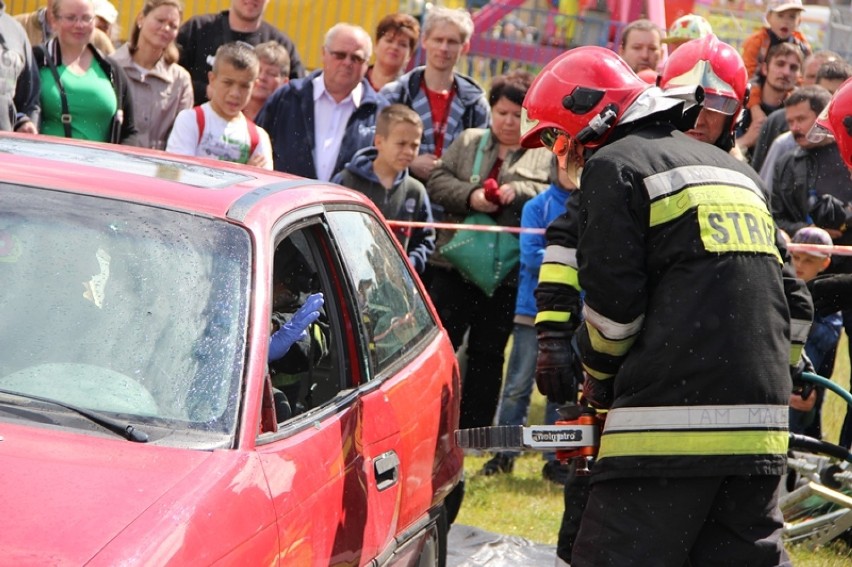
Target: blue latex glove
pixel 296 328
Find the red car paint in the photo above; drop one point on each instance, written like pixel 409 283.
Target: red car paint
pixel 361 477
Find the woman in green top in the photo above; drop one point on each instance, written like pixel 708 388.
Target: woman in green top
pixel 83 94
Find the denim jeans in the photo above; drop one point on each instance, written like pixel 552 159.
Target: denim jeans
pixel 520 378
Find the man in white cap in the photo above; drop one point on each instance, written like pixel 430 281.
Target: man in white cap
pixel 105 17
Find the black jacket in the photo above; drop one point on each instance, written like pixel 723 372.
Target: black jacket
pixel 687 308
pixel 200 37
pixel 803 176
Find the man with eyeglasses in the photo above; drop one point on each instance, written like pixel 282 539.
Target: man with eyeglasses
pixel 39 31
pixel 319 122
pixel 200 37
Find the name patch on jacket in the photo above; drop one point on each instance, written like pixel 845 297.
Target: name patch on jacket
pixel 737 228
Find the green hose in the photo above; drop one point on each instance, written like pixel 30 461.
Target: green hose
pixel 829 385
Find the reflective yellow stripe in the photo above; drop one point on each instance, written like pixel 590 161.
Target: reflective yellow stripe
pixel 737 228
pixel 693 443
pixel 559 274
pixel 670 208
pixel 795 353
pixel 608 346
pixel 552 317
pixel 597 374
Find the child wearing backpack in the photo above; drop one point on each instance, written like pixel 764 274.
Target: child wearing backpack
pixel 218 129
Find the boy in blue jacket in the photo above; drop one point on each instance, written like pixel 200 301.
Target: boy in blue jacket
pixel 381 173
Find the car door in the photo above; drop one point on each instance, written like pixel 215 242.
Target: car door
pixel 331 465
pixel 412 382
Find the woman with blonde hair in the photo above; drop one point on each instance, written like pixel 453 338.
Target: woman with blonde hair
pixel 84 95
pixel 161 88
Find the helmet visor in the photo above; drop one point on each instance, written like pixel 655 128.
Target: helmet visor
pixel 555 140
pixel 718 95
pixel 721 103
pixel 821 130
pixel 819 133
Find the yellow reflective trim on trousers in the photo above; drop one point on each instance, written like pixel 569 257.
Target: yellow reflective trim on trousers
pixel 609 346
pixel 670 208
pixel 552 317
pixel 693 443
pixel 559 274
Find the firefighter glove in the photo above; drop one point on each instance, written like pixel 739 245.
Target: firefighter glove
pixel 556 368
pixel 801 386
pixel 598 393
pixel 831 293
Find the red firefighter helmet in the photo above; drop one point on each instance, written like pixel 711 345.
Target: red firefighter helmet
pixel 584 92
pixel 836 120
pixel 714 65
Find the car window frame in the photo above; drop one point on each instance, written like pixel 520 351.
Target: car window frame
pixel 344 306
pixel 376 375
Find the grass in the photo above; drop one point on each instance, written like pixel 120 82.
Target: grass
pixel 524 504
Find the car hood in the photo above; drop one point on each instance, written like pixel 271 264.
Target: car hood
pixel 65 495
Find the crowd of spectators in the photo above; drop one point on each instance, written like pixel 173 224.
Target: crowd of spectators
pixel 174 86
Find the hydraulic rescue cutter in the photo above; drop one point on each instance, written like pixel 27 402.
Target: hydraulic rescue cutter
pixel 576 436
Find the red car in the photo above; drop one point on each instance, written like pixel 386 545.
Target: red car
pixel 140 422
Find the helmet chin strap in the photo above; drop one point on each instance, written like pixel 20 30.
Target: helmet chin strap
pixel 598 125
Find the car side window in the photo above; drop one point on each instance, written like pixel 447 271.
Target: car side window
pixel 309 374
pixel 392 308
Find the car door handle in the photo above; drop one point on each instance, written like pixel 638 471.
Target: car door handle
pixel 386 469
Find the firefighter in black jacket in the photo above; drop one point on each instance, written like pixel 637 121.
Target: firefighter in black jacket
pixel 686 332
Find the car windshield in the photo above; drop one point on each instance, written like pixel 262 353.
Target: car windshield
pixel 125 309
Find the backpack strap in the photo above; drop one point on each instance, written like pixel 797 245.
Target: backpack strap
pixel 254 136
pixel 199 119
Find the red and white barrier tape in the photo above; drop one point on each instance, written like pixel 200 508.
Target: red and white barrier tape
pixel 820 249
pixel 459 226
pixel 792 246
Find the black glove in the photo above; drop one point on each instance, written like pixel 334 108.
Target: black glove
pixel 598 393
pixel 801 386
pixel 556 368
pixel 829 212
pixel 831 293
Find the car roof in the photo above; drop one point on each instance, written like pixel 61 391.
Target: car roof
pixel 208 186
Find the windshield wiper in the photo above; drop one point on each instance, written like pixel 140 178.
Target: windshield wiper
pixel 124 429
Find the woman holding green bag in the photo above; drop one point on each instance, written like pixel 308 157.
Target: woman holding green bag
pixel 484 177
